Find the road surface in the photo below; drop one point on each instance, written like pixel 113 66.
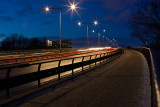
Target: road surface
pixel 45 66
pixel 124 82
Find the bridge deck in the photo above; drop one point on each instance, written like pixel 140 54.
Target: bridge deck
pixel 124 82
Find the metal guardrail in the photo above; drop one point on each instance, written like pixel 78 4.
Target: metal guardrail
pixel 14 52
pixel 41 57
pixel 10 82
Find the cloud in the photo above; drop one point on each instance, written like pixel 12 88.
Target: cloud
pixel 118 9
pixel 117 4
pixel 46 23
pixel 6 18
pixel 117 17
pixel 123 16
pixel 26 8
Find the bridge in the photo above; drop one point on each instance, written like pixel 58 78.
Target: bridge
pixel 113 77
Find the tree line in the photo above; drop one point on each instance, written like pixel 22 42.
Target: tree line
pixel 144 22
pixel 19 42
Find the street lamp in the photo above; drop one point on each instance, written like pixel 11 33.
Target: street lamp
pixel 98 34
pixel 103 40
pixel 80 23
pixel 47 9
pixel 99 39
pixel 111 42
pixel 115 42
pixel 72 7
pixel 96 22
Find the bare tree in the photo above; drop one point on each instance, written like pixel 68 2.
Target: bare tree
pixel 14 42
pixel 35 43
pixel 145 22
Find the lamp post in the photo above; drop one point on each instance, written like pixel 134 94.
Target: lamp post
pixel 115 42
pixel 103 40
pixel 99 35
pixel 99 39
pixel 48 9
pixel 80 23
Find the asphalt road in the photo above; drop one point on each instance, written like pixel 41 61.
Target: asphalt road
pixel 124 82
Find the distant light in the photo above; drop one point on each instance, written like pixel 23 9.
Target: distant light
pixel 79 23
pixel 93 31
pixel 96 22
pixel 104 30
pixel 47 9
pixel 73 7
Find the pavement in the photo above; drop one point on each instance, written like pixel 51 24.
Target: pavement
pixel 124 82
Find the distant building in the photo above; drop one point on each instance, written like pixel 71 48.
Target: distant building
pixel 67 44
pixel 55 43
pixel 48 43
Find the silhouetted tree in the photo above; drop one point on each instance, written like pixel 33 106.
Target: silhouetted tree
pixel 35 43
pixel 14 42
pixel 145 22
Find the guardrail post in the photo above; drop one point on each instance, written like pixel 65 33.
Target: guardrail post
pixel 90 61
pixel 100 58
pixel 72 66
pixel 59 64
pixel 95 59
pixel 110 55
pixel 39 68
pixel 7 77
pixel 82 62
pixel 104 57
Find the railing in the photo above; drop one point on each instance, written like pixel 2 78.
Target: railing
pixel 11 82
pixel 25 52
pixel 41 57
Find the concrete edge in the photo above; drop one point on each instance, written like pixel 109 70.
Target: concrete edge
pixel 154 77
pixel 155 94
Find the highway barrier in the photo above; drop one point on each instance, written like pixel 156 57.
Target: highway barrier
pixel 13 81
pixel 41 57
pixel 155 100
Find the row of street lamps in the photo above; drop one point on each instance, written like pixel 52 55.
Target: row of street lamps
pixel 95 23
pixel 73 7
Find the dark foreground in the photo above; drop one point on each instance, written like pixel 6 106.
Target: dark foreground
pixel 124 82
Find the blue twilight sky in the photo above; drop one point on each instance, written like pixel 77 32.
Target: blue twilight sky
pixel 27 17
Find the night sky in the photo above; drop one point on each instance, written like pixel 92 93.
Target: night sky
pixel 27 17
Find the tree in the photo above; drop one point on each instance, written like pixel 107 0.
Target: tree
pixel 14 42
pixel 144 22
pixel 35 43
